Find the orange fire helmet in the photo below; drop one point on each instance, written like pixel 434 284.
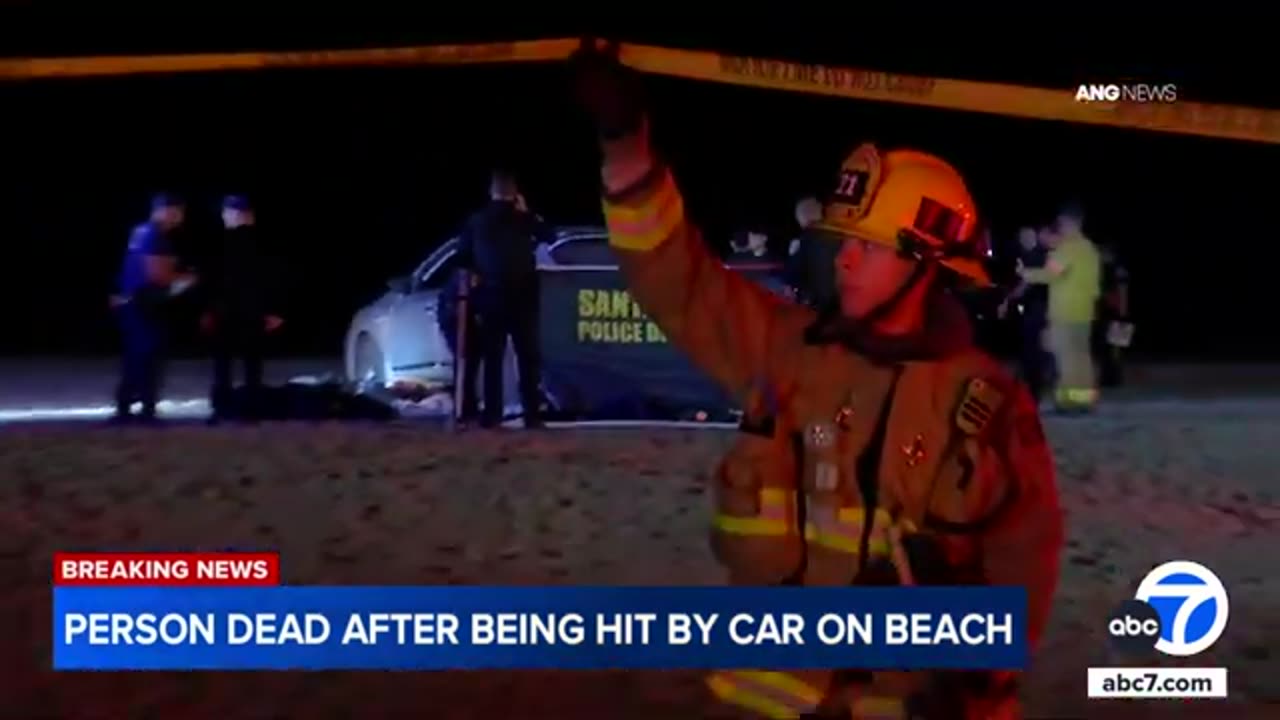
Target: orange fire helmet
pixel 913 202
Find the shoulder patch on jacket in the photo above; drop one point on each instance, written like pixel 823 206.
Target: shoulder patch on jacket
pixel 978 406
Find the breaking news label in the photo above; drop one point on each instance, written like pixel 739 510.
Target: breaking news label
pixel 1180 610
pixel 227 611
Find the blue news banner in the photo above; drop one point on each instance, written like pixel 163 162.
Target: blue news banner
pixel 440 628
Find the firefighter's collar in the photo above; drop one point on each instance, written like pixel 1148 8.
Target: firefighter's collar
pixel 947 331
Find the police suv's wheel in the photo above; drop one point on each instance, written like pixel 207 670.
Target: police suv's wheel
pixel 369 372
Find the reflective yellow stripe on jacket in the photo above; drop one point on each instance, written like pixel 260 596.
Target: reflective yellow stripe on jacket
pixel 785 697
pixel 878 708
pixel 781 695
pixel 841 530
pixel 771 694
pixel 644 224
pixel 776 517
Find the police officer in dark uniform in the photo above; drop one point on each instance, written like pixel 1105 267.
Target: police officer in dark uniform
pixel 1033 300
pixel 498 247
pixel 242 289
pixel 811 257
pixel 1113 309
pixel 148 277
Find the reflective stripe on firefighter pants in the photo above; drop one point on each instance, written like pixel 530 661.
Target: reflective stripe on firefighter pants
pixel 1076 397
pixel 1069 343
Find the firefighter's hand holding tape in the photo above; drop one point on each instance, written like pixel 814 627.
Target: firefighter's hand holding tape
pixel 906 430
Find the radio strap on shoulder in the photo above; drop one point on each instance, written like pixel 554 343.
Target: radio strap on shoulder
pixel 868 468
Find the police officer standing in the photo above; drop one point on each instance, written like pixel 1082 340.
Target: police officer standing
pixel 148 277
pixel 498 246
pixel 242 296
pixel 810 257
pixel 1034 303
pixel 1111 329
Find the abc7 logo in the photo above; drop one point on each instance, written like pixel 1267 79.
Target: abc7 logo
pixel 1180 609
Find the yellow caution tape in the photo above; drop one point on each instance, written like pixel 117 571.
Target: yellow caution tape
pixel 522 51
pixel 1192 118
pixel 1185 117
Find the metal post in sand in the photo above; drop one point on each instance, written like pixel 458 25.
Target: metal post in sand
pixel 460 378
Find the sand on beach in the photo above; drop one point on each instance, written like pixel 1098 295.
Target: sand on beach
pixel 406 503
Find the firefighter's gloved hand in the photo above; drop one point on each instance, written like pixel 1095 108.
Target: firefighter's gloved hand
pixel 607 90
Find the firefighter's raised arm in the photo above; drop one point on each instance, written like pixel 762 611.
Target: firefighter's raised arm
pixel 729 326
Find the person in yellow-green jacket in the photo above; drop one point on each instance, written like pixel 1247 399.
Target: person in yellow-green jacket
pixel 1073 274
pixel 878 445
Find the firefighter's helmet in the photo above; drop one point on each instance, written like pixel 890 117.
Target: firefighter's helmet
pixel 913 202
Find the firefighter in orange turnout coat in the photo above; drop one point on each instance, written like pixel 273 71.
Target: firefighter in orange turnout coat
pixel 878 445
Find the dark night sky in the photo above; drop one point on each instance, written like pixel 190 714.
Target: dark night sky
pixel 359 172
